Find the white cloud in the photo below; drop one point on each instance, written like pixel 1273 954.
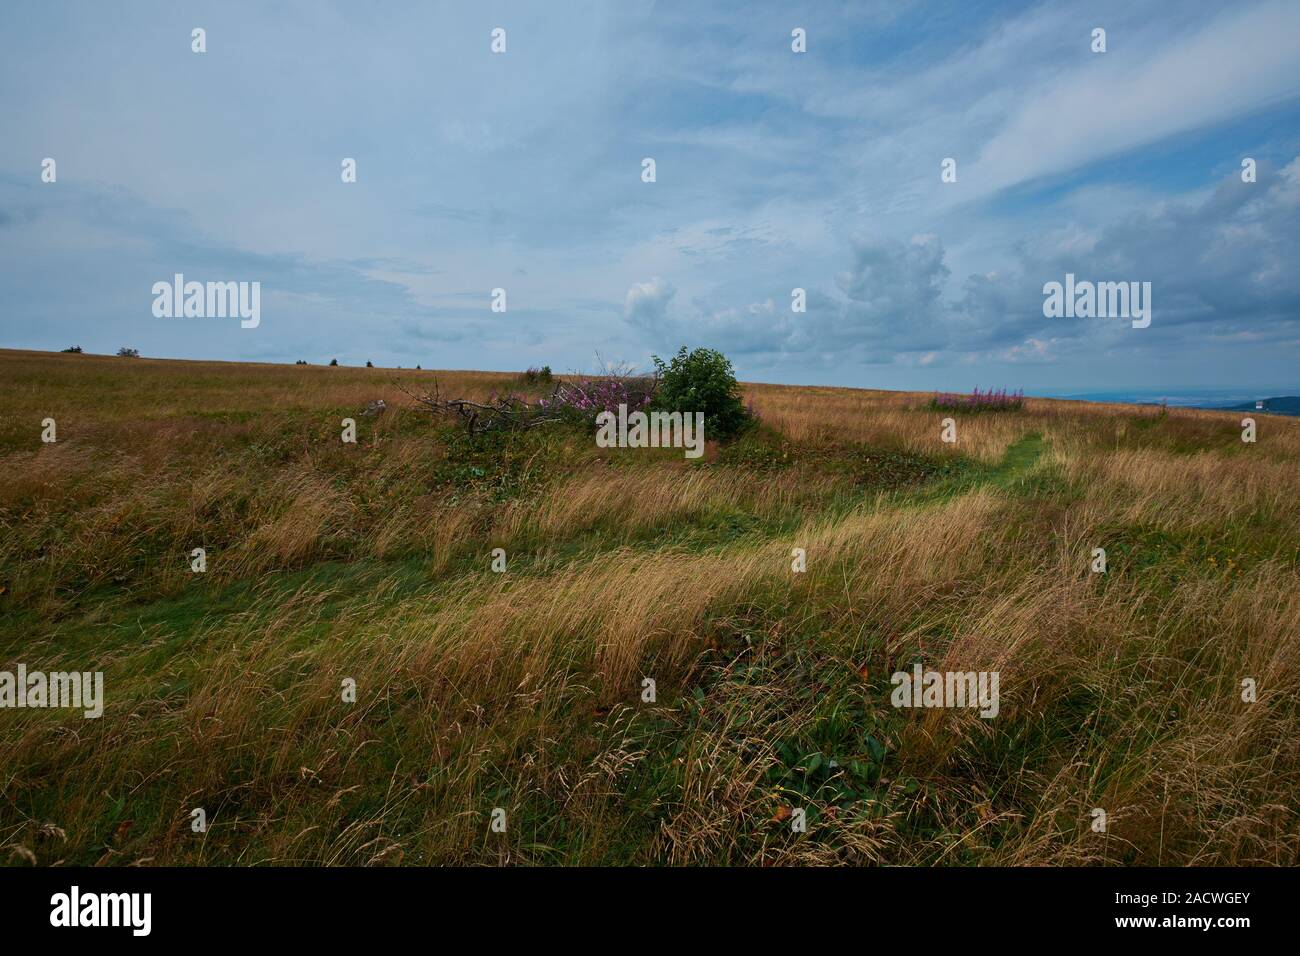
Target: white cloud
pixel 1112 102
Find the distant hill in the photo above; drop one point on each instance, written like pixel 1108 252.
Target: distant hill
pixel 1283 405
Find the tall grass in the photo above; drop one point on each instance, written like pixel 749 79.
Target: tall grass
pixel 525 690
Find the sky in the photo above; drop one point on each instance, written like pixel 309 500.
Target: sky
pixel 774 170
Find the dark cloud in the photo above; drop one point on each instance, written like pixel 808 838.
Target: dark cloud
pixel 1221 266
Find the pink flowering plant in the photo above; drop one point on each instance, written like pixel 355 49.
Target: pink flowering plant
pixel 977 401
pixel 582 398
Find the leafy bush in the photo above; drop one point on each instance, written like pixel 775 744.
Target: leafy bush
pixel 75 349
pixel 538 376
pixel 370 365
pixel 334 362
pixel 125 352
pixel 702 381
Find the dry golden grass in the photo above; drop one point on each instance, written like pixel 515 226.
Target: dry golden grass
pixel 886 419
pixel 523 690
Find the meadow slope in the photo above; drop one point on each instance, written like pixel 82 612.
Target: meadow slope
pixel 524 690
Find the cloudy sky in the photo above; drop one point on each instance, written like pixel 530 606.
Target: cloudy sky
pixel 774 170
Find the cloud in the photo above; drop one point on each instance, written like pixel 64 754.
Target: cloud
pixel 889 299
pixel 1136 93
pixel 1221 267
pixel 646 305
pixel 893 291
pixel 776 171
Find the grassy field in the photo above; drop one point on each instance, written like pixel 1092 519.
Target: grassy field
pixel 523 690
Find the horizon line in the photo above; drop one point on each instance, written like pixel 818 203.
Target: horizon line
pixel 1075 395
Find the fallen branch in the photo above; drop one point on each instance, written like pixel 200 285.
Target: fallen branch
pixel 510 413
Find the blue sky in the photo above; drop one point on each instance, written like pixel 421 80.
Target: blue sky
pixel 775 170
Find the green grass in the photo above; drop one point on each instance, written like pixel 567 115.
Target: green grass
pixel 523 690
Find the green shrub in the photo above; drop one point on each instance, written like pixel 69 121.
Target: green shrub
pixel 702 381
